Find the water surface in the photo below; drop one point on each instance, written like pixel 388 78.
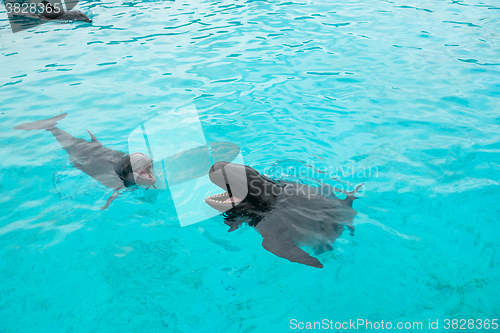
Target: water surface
pixel 406 89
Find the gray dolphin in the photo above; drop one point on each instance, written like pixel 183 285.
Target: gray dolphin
pixel 111 168
pixel 287 215
pixel 70 15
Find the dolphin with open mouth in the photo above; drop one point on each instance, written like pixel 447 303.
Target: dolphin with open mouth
pixel 287 215
pixel 111 168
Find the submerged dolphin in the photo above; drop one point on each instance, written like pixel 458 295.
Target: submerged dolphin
pixel 111 168
pixel 287 215
pixel 71 15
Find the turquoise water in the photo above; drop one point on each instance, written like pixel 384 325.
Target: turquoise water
pixel 408 91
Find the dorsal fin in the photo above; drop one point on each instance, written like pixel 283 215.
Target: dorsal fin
pixel 94 139
pixel 47 4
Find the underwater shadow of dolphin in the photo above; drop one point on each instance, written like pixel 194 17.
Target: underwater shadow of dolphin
pixel 287 215
pixel 111 168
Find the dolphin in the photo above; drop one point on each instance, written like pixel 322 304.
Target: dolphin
pixel 287 215
pixel 111 168
pixel 71 15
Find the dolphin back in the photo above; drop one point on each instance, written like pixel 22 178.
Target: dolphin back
pixel 75 15
pixel 46 124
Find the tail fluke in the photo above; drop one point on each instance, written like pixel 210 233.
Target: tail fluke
pixel 356 189
pixel 45 124
pixel 350 195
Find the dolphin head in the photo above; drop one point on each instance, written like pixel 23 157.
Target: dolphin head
pixel 245 188
pixel 135 168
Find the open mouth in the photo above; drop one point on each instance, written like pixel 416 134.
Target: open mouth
pixel 223 198
pixel 232 179
pixel 144 175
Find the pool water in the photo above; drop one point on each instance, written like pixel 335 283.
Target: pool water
pixel 402 96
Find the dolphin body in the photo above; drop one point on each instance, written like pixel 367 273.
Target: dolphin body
pixel 287 215
pixel 111 168
pixel 70 15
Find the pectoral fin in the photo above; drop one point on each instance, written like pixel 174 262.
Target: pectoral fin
pixel 322 248
pixel 276 241
pixel 233 223
pixel 110 200
pixel 115 195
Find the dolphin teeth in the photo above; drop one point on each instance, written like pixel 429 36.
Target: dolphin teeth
pixel 216 196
